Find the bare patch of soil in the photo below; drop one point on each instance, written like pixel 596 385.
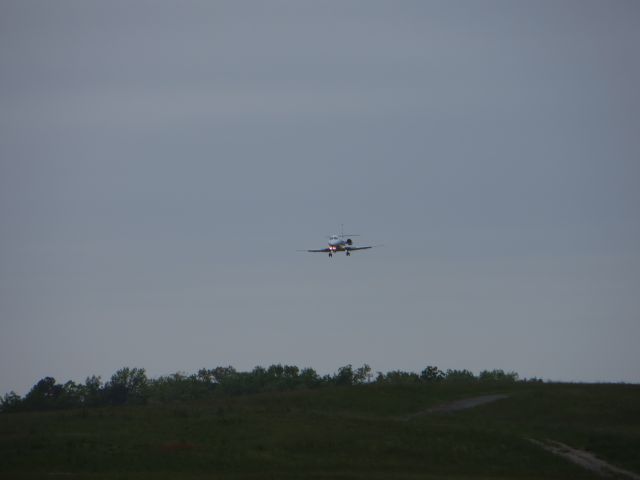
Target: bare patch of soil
pixel 457 405
pixel 584 459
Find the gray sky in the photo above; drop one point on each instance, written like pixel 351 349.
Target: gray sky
pixel 161 163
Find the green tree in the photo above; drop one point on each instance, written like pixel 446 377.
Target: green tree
pixel 431 374
pixel 344 377
pixel 362 374
pixel 206 376
pixel 10 402
pixel 44 395
pixel 397 377
pixel 220 373
pixel 127 385
pixel 291 371
pixel 309 378
pixel 93 394
pixel 460 376
pixel 72 395
pixel 498 375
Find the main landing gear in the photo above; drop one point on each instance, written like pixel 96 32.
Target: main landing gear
pixel 330 254
pixel 348 253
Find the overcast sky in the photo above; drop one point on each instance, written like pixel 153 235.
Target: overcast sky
pixel 161 163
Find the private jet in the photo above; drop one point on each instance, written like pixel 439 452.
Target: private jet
pixel 340 243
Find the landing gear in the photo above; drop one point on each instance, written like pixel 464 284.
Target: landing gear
pixel 330 254
pixel 348 253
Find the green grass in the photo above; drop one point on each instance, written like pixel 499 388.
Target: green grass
pixel 345 433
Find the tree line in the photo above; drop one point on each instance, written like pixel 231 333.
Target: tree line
pixel 131 386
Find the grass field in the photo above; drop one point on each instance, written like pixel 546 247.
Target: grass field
pixel 346 433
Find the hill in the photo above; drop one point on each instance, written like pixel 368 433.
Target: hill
pixel 362 431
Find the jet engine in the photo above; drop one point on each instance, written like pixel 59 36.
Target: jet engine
pixel 349 242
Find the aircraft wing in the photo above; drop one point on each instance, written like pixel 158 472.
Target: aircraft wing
pixel 352 249
pixel 324 250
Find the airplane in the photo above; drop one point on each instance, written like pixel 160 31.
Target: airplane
pixel 340 243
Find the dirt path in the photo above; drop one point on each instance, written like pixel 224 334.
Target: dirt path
pixel 584 459
pixel 579 457
pixel 457 405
